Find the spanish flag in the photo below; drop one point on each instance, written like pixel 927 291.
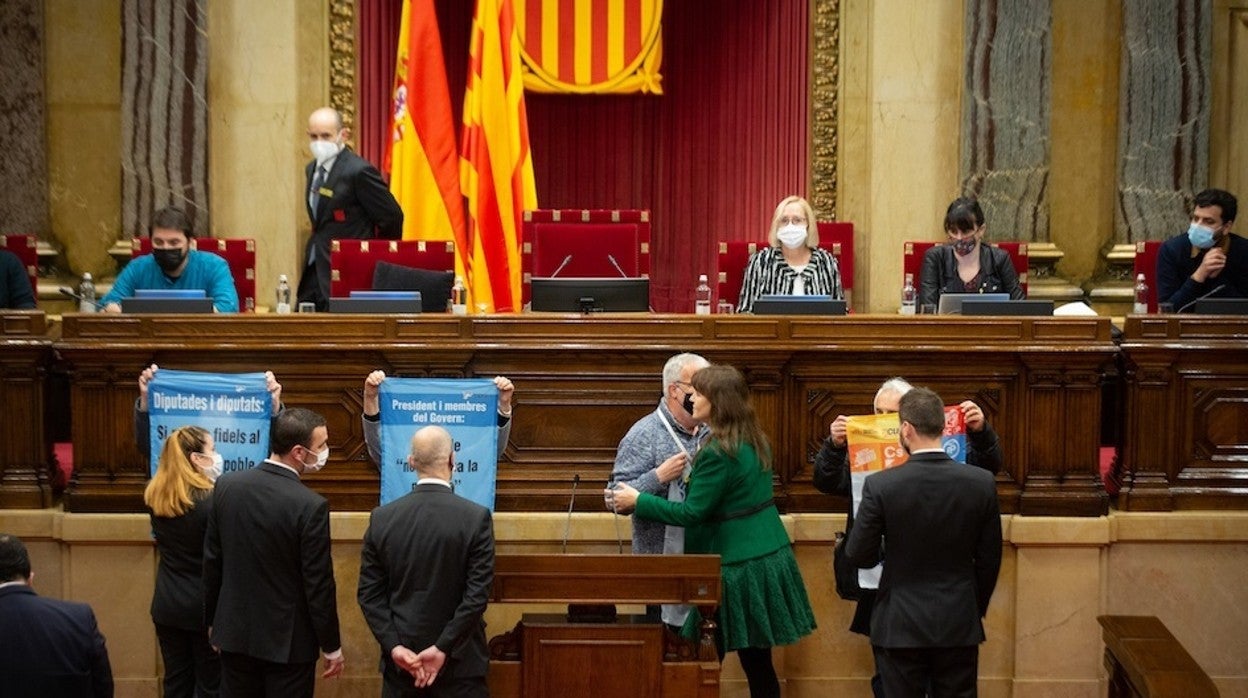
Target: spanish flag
pixel 422 159
pixel 496 167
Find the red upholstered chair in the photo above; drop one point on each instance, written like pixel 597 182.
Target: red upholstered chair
pixel 912 252
pixel 26 249
pixel 1146 264
pixel 238 253
pixel 837 237
pixel 589 236
pixel 733 256
pixel 351 262
pixel 1018 255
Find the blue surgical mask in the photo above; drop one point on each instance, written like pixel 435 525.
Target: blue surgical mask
pixel 1200 236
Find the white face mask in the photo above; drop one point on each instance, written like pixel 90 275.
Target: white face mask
pixel 792 236
pixel 324 150
pixel 321 459
pixel 213 471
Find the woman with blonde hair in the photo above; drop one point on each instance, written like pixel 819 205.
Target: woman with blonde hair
pixel 792 264
pixel 728 510
pixel 179 500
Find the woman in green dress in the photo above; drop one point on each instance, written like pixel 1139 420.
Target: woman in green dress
pixel 729 511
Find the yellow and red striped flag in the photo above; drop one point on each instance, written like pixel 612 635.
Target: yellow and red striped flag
pixel 496 167
pixel 422 159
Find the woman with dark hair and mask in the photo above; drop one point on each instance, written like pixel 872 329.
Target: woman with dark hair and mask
pixel 792 264
pixel 179 499
pixel 966 264
pixel 728 511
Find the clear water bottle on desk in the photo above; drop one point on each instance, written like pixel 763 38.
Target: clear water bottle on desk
pixel 459 297
pixel 702 304
pixel 1141 296
pixel 908 296
pixel 86 293
pixel 283 296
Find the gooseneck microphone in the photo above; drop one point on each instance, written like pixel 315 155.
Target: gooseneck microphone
pixel 559 268
pixel 567 527
pixel 67 292
pixel 616 264
pixel 1194 301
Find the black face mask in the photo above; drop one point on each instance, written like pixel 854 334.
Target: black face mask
pixel 169 259
pixel 688 404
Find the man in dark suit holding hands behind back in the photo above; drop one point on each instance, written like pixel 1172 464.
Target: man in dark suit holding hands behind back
pixel 346 198
pixel 425 575
pixel 936 525
pixel 269 594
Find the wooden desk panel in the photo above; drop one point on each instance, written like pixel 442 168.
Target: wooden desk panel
pixel 25 453
pixel 583 380
pixel 1185 443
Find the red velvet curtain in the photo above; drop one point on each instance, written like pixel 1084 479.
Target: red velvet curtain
pixel 710 157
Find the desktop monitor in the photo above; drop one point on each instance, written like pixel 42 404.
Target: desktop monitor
pixel 951 303
pixel 975 306
pixel 798 305
pixel 590 295
pixel 166 305
pixel 170 293
pixel 1221 306
pixel 378 302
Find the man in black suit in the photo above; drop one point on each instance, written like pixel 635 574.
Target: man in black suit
pixel 269 595
pixel 47 647
pixel 346 198
pixel 425 575
pixel 936 525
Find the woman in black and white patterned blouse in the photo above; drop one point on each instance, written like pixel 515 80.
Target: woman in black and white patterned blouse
pixel 793 264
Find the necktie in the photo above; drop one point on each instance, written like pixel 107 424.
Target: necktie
pixel 314 194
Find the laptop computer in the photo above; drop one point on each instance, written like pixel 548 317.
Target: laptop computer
pixel 975 306
pixel 166 305
pixel 798 305
pixel 382 302
pixel 951 303
pixel 170 293
pixel 1221 306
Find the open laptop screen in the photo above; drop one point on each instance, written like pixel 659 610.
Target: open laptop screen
pixel 951 303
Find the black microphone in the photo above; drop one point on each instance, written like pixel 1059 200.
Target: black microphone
pixel 616 265
pixel 559 268
pixel 567 527
pixel 1197 300
pixel 77 297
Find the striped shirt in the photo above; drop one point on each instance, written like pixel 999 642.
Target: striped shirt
pixel 768 273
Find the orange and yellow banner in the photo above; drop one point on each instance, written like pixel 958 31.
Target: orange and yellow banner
pixel 496 167
pixel 875 443
pixel 591 46
pixel 422 160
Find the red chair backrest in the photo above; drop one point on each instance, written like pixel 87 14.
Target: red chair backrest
pixel 913 251
pixel 733 256
pixel 238 253
pixel 589 236
pixel 351 262
pixel 27 250
pixel 837 237
pixel 1146 264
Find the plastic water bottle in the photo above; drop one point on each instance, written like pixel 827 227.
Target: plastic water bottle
pixel 702 306
pixel 283 296
pixel 1141 295
pixel 908 296
pixel 87 291
pixel 459 297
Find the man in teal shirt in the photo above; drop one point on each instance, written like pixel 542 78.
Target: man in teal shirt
pixel 174 265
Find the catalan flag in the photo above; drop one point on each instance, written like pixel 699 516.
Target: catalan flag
pixel 422 159
pixel 496 167
pixel 591 46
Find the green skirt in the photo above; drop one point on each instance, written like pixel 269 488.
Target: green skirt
pixel 763 604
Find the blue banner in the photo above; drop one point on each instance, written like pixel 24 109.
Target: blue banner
pixel 467 408
pixel 235 408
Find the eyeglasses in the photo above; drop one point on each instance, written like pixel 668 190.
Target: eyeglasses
pixel 793 220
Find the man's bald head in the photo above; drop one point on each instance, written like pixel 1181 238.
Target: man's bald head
pixel 325 124
pixel 431 452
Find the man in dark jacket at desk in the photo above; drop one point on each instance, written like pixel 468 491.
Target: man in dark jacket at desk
pixel 1209 261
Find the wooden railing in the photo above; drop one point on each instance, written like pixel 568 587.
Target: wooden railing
pixel 1145 661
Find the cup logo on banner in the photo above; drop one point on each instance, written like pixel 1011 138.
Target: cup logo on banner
pixel 235 409
pixel 467 408
pixel 874 443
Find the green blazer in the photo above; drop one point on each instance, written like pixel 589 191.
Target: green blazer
pixel 723 487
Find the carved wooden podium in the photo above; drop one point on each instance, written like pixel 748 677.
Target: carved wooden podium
pixel 599 654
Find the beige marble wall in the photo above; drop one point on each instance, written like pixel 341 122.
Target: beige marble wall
pixel 83 73
pixel 901 103
pixel 1228 148
pixel 1057 575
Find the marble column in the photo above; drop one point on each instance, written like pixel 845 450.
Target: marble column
pixel 23 141
pixel 164 115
